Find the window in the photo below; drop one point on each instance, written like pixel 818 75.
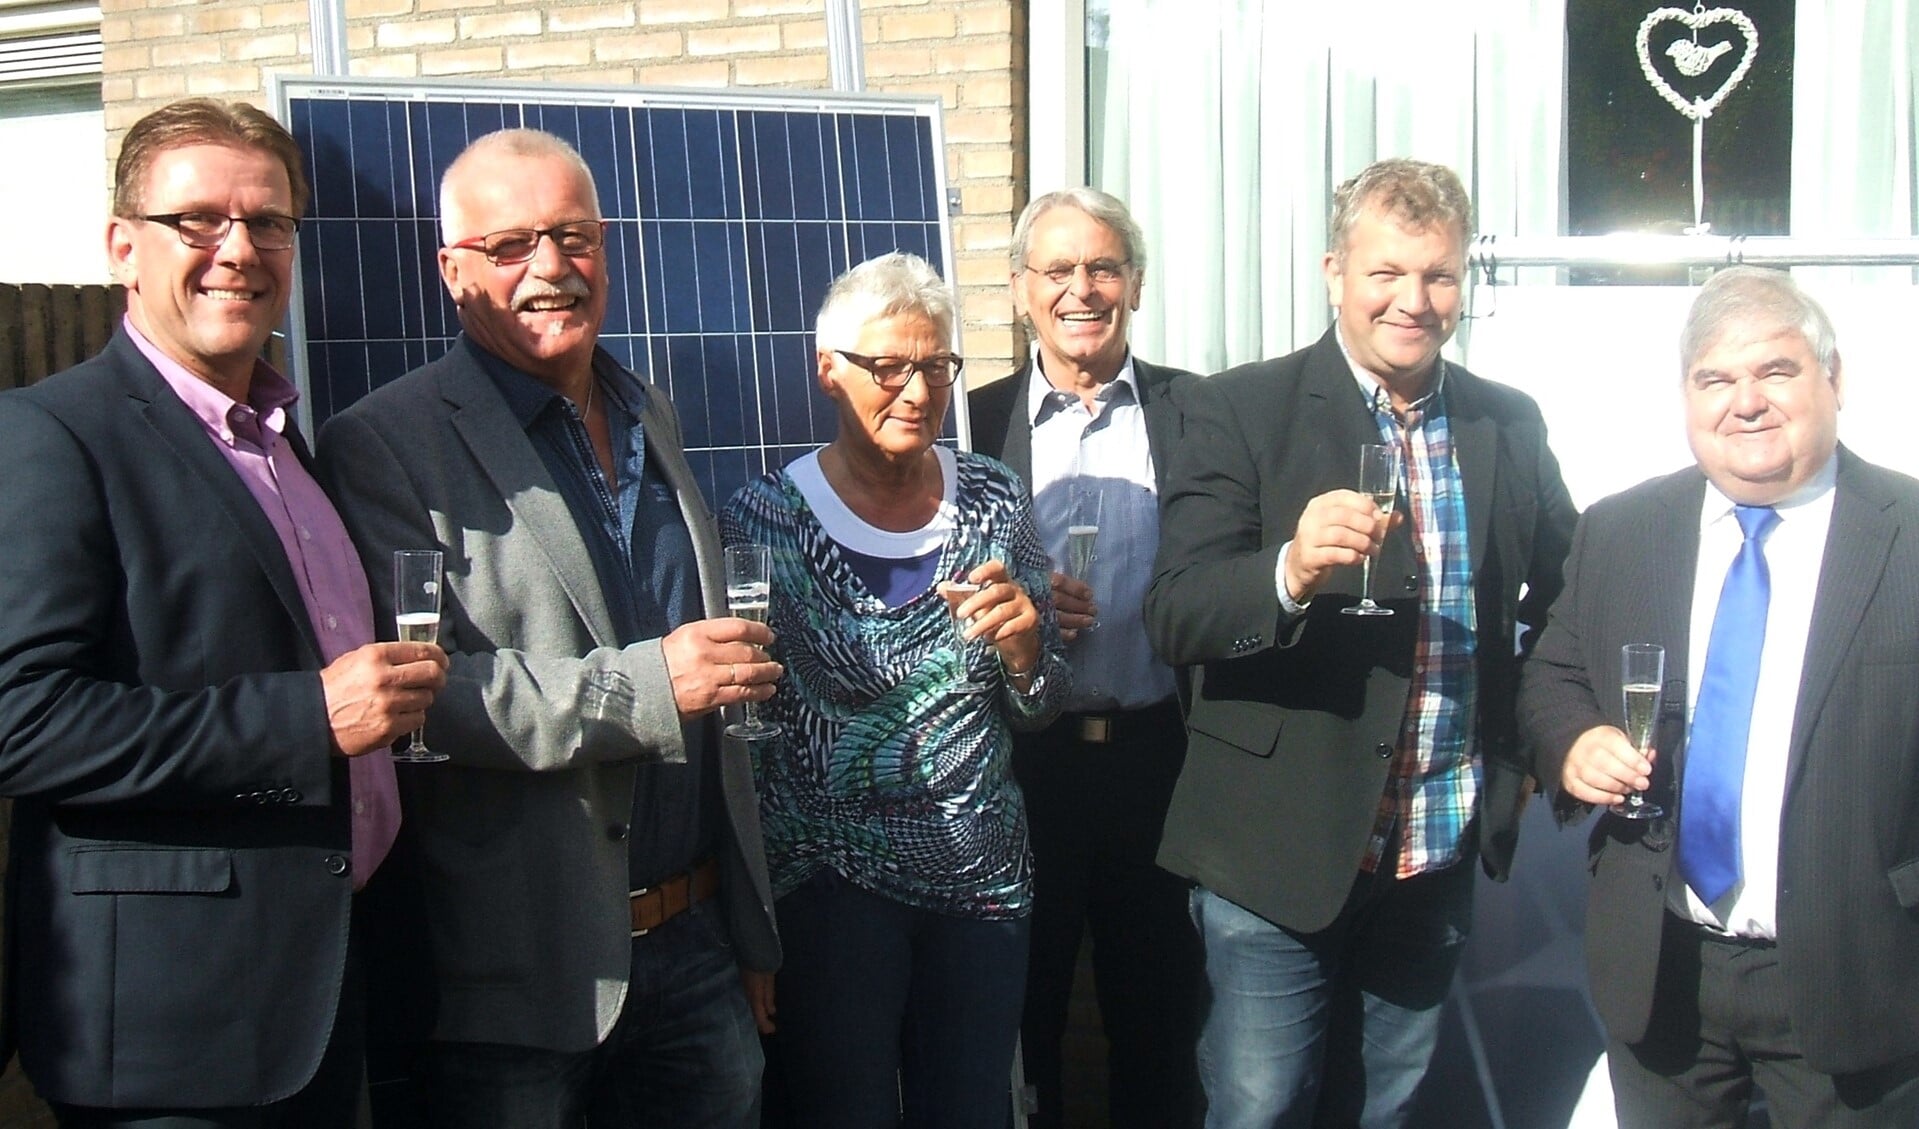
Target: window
pixel 1630 153
pixel 52 223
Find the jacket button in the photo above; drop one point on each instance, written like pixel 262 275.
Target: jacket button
pixel 1412 582
pixel 616 831
pixel 1383 750
pixel 292 796
pixel 336 865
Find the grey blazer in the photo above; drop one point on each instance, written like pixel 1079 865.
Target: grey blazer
pixel 522 834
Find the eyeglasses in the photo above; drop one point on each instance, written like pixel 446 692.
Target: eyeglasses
pixel 205 230
pixel 1103 272
pixel 895 373
pixel 518 244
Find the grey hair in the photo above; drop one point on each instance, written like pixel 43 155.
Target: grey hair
pixel 1759 295
pixel 896 283
pixel 1417 194
pixel 534 143
pixel 1103 207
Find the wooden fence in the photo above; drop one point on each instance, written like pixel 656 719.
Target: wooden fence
pixel 44 329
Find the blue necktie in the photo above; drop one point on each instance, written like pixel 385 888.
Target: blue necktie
pixel 1722 717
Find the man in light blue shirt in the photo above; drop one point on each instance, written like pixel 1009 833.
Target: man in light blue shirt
pixel 1089 427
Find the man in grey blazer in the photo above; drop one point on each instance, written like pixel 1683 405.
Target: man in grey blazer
pixel 590 860
pixel 1090 428
pixel 1765 929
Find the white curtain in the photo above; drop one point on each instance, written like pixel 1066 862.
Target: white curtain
pixel 1852 126
pixel 1226 126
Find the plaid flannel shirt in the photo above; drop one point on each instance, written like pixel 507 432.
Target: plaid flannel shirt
pixel 1434 784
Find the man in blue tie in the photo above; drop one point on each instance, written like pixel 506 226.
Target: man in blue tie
pixel 1764 933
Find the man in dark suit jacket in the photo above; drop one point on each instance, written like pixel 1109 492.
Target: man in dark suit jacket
pixel 589 909
pixel 185 666
pixel 1780 946
pixel 1343 771
pixel 1090 428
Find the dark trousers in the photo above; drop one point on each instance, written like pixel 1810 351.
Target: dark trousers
pixel 330 1100
pixel 682 1055
pixel 1095 810
pixel 1720 1027
pixel 892 1016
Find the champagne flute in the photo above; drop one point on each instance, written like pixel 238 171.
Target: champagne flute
pixel 955 592
pixel 1082 533
pixel 416 613
pixel 1642 676
pixel 1379 477
pixel 749 595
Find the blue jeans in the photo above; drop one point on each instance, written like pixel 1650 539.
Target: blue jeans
pixel 683 1054
pixel 883 1006
pixel 1333 1028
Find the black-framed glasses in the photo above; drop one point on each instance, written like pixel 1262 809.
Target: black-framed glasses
pixel 205 230
pixel 518 244
pixel 895 373
pixel 1103 272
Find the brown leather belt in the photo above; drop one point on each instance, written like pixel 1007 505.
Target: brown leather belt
pixel 661 902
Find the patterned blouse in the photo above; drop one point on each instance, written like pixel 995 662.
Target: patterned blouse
pixel 884 772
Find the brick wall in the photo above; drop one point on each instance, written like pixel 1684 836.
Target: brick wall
pixel 971 53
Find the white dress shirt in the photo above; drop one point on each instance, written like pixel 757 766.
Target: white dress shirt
pixel 1795 550
pixel 1106 449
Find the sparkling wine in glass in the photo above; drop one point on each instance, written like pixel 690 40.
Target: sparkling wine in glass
pixel 1082 531
pixel 1642 675
pixel 1378 477
pixel 749 595
pixel 956 592
pixel 416 613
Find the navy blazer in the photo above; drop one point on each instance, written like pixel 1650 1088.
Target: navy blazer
pixel 179 885
pixel 1848 909
pixel 1293 725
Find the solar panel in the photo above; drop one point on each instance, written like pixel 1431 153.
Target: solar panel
pixel 729 213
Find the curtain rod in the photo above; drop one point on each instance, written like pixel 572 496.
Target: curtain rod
pixel 1490 253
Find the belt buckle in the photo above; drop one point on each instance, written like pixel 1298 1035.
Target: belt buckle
pixel 1096 729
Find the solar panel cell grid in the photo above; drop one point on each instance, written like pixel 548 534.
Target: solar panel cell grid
pixel 728 219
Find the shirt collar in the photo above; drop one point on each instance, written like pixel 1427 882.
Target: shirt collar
pixel 1040 393
pixel 1816 491
pixel 269 395
pixel 527 395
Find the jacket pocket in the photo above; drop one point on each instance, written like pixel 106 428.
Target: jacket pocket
pixel 1905 883
pixel 152 870
pixel 1248 727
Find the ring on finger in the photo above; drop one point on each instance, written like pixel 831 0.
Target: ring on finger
pixel 732 674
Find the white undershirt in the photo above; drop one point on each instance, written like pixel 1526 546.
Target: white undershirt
pixel 849 529
pixel 1795 550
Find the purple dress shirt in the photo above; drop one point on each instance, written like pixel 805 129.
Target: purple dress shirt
pixel 324 563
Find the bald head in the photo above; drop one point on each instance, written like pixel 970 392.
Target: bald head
pixel 481 162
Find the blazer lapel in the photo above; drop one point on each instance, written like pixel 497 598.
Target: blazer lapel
pixel 1858 545
pixel 182 433
pixel 663 443
pixel 1162 417
pixel 514 470
pixel 1017 451
pixel 1669 547
pixel 1476 450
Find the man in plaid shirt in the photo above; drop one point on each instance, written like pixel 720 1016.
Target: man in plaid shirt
pixel 1343 771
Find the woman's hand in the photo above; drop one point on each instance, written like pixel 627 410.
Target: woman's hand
pixel 1001 613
